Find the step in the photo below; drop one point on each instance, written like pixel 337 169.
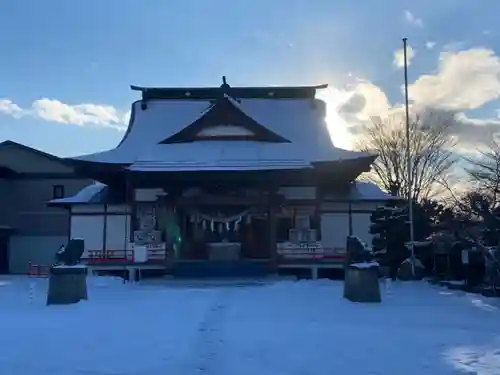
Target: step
pixel 221 269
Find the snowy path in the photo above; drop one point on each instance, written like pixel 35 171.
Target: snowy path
pixel 208 349
pixel 286 328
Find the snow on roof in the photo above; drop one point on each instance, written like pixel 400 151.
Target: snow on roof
pixel 224 155
pixel 294 119
pixel 368 191
pixel 90 194
pixel 360 191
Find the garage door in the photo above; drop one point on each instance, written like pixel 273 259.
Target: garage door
pixel 36 249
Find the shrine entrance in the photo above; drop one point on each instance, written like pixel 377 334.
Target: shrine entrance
pixel 223 235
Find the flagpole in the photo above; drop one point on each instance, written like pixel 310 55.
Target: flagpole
pixel 408 159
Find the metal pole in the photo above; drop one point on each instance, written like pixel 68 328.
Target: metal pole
pixel 408 159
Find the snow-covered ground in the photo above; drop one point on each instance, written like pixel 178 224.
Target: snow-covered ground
pixel 280 328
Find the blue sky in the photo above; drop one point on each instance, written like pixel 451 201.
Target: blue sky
pixel 67 65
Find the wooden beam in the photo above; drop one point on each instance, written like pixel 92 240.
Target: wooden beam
pixel 271 215
pixel 317 210
pixel 229 200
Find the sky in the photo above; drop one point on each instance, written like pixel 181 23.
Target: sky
pixel 66 66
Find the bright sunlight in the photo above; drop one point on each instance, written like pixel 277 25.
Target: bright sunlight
pixel 337 127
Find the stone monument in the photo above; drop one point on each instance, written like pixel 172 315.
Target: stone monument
pixel 68 278
pixel 361 281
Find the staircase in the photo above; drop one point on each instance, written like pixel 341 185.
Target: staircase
pixel 220 269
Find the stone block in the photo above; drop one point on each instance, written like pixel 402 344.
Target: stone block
pixel 361 283
pixel 67 285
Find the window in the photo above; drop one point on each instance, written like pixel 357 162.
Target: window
pixel 57 191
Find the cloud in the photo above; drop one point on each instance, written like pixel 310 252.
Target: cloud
pixel 399 59
pixel 465 80
pixel 360 104
pixel 430 44
pixel 79 114
pixel 126 117
pixel 474 134
pixel 413 20
pixel 7 107
pixel 364 101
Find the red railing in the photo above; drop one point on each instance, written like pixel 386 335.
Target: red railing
pixel 337 254
pixel 38 270
pixel 121 256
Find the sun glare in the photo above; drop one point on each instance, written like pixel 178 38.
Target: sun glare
pixel 336 124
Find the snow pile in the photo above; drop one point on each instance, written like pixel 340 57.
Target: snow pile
pixel 275 328
pixel 364 265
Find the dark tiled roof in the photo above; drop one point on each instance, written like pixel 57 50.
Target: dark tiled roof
pixel 204 93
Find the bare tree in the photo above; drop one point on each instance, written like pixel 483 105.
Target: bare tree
pixel 480 201
pixel 484 173
pixel 430 151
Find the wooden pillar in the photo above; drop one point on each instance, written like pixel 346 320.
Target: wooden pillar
pixel 350 217
pixel 351 188
pixel 271 216
pixel 105 230
pixel 318 205
pixel 129 199
pixel 182 222
pixel 131 207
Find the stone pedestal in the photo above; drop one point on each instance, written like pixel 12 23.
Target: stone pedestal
pixel 361 283
pixel 67 285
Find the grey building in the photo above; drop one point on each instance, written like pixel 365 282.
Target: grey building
pixel 30 231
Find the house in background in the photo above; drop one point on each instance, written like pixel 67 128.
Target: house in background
pixel 29 230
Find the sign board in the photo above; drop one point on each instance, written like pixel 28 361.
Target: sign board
pixel 300 250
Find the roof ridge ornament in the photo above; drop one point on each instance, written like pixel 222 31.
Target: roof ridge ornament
pixel 224 85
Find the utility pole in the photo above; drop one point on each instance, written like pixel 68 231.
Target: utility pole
pixel 408 159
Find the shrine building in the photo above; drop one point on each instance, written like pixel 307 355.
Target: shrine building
pixel 224 181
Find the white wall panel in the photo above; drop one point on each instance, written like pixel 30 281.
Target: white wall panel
pixel 334 230
pixel 90 228
pixel 118 232
pixel 361 227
